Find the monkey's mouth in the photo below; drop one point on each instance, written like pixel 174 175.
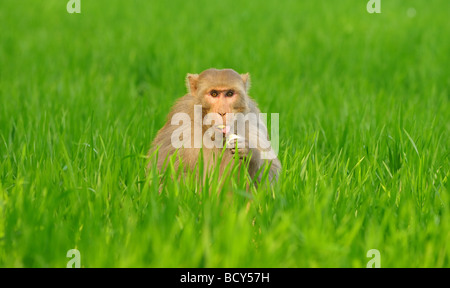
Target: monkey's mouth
pixel 225 129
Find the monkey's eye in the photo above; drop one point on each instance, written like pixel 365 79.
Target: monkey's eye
pixel 229 93
pixel 214 93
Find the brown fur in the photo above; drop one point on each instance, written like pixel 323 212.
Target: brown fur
pixel 198 86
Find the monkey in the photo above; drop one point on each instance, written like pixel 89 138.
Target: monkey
pixel 220 97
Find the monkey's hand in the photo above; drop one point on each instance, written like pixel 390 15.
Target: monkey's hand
pixel 239 145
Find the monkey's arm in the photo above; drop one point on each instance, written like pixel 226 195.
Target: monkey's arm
pixel 163 138
pixel 257 139
pixel 257 146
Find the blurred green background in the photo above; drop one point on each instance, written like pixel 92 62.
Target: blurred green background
pixel 364 124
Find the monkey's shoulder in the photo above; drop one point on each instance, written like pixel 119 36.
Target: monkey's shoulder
pixel 182 105
pixel 252 105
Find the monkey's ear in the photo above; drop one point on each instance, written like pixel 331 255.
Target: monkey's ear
pixel 191 83
pixel 246 78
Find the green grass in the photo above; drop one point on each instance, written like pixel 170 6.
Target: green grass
pixel 364 128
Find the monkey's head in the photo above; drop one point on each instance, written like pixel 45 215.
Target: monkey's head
pixel 220 91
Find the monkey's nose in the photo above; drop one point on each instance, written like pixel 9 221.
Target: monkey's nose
pixel 224 117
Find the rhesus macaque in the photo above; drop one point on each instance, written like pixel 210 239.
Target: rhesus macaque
pixel 219 97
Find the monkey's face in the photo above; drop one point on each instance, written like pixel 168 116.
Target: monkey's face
pixel 220 91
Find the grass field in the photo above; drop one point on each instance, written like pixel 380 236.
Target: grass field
pixel 364 113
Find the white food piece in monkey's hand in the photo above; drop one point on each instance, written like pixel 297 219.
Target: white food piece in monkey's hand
pixel 232 137
pixel 234 141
